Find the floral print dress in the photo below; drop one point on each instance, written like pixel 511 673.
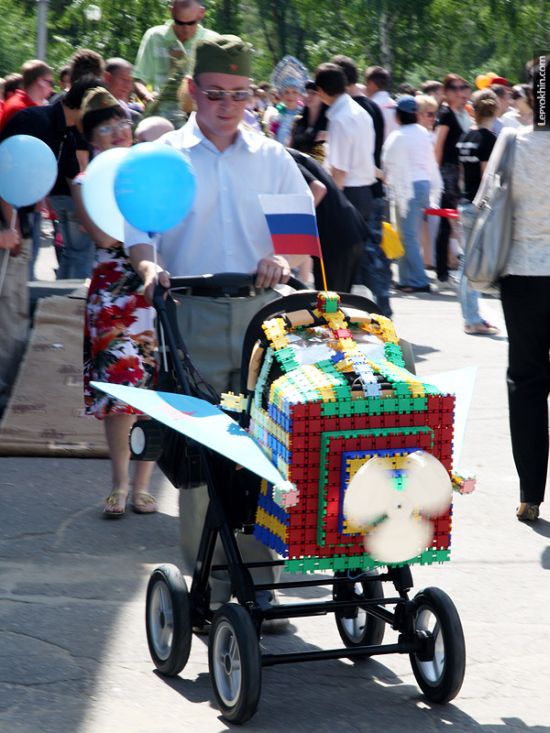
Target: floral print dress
pixel 119 333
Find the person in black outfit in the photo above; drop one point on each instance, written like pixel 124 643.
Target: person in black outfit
pixel 56 126
pixel 452 121
pixel 342 229
pixel 309 129
pixel 374 267
pixel 474 150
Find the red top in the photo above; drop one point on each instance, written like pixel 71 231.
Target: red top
pixel 18 101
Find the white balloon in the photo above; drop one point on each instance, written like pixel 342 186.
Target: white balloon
pixel 98 192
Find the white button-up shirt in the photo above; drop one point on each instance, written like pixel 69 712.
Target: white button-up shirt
pixel 387 105
pixel 226 230
pixel 351 141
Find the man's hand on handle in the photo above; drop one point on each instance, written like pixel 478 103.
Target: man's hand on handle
pixel 272 271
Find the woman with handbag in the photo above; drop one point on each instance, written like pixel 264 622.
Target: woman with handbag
pixel 525 293
pixel 474 150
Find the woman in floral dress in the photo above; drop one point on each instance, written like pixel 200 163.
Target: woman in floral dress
pixel 119 333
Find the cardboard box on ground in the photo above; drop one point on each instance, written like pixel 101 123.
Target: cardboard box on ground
pixel 45 414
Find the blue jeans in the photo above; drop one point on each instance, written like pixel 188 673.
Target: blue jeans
pixel 77 254
pixel 469 298
pixel 411 265
pixel 374 269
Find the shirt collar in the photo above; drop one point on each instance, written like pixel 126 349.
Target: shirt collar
pixel 340 103
pixel 192 135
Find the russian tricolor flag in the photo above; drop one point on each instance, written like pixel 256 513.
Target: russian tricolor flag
pixel 292 224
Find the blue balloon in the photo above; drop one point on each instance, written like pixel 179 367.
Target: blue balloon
pixel 28 170
pixel 154 187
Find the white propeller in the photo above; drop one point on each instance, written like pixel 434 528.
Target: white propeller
pixel 394 502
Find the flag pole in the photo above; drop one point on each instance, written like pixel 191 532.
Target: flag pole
pixel 323 272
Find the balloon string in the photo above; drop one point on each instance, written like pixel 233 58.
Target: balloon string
pixel 156 239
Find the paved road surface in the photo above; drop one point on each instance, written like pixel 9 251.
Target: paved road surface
pixel 73 654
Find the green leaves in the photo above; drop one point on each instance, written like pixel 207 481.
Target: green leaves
pixel 417 40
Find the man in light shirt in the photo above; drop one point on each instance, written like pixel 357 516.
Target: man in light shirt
pixel 226 231
pixel 167 51
pixel 350 159
pixel 377 81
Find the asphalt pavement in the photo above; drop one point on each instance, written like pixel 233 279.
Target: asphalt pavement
pixel 73 653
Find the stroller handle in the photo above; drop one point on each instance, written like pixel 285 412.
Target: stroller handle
pixel 226 282
pixel 218 281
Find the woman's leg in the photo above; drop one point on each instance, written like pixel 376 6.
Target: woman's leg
pixel 117 428
pixel 526 306
pixel 416 274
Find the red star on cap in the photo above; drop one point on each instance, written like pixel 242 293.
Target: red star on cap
pixel 233 67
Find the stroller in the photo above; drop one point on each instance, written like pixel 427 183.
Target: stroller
pixel 366 450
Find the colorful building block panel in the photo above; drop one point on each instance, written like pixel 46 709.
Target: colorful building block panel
pixel 330 396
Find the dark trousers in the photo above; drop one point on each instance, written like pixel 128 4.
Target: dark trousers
pixel 449 200
pixel 526 306
pixel 374 268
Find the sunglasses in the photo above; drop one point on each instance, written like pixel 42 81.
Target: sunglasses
pixel 121 126
pixel 458 87
pixel 48 81
pixel 216 95
pixel 185 22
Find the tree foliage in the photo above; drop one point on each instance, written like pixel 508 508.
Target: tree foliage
pixel 416 39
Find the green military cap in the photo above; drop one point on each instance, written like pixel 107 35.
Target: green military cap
pixel 97 99
pixel 223 55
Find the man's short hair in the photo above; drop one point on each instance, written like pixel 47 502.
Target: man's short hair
pixel 379 76
pixel 113 65
pixel 75 95
pixel 33 70
pixel 330 79
pixel 85 62
pixel 348 66
pixel 430 86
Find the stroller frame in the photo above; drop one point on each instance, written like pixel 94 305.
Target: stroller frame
pixel 428 625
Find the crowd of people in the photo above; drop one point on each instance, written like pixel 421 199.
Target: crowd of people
pixel 366 155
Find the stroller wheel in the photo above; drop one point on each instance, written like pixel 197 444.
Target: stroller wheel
pixel 168 620
pixel 357 627
pixel 146 440
pixel 439 677
pixel 234 662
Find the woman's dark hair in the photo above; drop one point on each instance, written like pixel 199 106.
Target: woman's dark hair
pixel 405 118
pixel 330 79
pixel 97 117
pixel 75 95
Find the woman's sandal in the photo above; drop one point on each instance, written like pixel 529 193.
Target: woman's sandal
pixel 115 504
pixel 143 503
pixel 527 512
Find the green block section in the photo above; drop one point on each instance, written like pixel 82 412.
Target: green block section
pixel 359 562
